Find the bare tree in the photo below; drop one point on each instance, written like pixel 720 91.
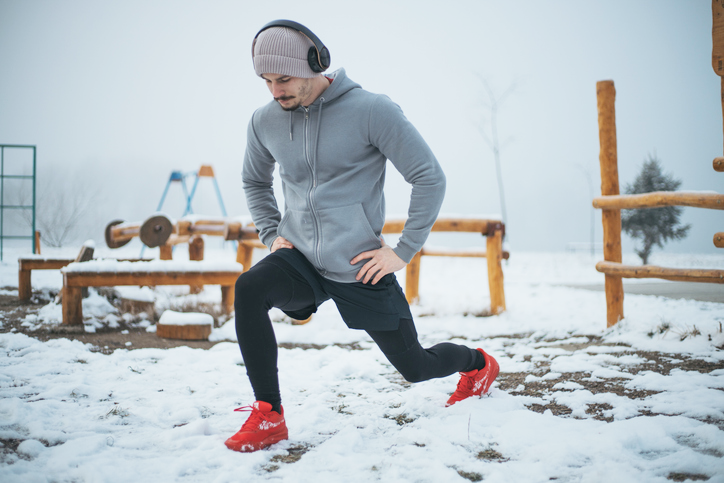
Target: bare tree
pixel 493 104
pixel 64 201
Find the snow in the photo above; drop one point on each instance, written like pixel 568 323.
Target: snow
pixel 163 415
pixel 111 265
pixel 171 317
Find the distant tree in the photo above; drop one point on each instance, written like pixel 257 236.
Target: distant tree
pixel 653 226
pixel 66 205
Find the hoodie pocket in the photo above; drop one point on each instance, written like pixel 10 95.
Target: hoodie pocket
pixel 345 234
pixel 298 227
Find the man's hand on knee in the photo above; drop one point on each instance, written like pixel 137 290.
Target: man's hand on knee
pixel 382 261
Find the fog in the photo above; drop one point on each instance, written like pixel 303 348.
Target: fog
pixel 117 95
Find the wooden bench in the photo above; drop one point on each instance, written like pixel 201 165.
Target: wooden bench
pixel 111 273
pixel 493 230
pixel 27 264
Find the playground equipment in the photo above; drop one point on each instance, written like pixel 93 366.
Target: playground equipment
pixel 205 171
pixel 34 235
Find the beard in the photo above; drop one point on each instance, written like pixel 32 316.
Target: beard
pixel 305 91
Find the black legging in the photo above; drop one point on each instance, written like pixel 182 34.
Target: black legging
pixel 267 285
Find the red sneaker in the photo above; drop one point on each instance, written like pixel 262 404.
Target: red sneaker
pixel 475 382
pixel 263 428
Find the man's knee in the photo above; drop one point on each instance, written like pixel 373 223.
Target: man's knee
pixel 409 366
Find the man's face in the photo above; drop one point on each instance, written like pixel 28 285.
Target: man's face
pixel 290 92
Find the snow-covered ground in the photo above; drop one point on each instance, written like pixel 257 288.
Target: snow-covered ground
pixel 163 415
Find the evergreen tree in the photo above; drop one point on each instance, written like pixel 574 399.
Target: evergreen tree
pixel 653 226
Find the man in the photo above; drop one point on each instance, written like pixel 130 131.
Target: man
pixel 331 140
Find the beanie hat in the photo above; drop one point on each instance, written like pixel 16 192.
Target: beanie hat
pixel 280 50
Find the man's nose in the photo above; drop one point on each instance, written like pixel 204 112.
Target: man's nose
pixel 277 90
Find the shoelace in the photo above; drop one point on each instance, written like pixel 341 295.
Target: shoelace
pixel 465 384
pixel 254 418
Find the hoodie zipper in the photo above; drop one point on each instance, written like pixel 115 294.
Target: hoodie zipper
pixel 310 194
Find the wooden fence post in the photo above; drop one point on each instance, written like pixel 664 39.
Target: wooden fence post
pixel 608 158
pixel 494 250
pixel 412 279
pixel 37 243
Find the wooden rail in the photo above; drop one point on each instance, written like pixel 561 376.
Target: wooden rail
pixel 712 201
pixel 652 271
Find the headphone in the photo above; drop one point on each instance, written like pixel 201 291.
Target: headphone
pixel 318 56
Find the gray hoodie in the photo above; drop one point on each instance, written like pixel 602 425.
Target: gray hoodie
pixel 332 158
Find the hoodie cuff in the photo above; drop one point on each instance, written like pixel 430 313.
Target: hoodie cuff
pixel 404 252
pixel 268 237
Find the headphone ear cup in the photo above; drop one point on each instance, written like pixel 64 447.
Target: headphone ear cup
pixel 313 61
pixel 325 58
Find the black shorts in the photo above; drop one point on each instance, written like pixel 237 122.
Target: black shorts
pixel 361 305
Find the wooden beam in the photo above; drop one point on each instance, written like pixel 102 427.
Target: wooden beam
pixel 713 201
pixel 652 271
pixel 142 278
pixel 37 242
pixel 608 159
pixel 438 252
pixel 469 225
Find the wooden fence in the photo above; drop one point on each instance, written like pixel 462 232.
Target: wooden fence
pixel 611 202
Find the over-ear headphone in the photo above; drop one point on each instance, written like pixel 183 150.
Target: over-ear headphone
pixel 318 56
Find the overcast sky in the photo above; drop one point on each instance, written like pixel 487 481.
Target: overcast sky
pixel 120 94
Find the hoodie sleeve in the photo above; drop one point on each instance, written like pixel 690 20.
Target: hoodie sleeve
pixel 257 180
pixel 402 144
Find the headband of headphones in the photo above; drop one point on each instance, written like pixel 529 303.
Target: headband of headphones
pixel 318 56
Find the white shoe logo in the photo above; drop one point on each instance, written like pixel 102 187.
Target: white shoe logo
pixel 268 425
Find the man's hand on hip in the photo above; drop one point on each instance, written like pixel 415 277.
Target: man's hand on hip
pixel 382 261
pixel 280 242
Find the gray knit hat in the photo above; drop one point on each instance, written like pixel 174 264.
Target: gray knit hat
pixel 280 50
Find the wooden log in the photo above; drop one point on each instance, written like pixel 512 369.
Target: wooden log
pixel 718 164
pixel 472 225
pixel 166 252
pixel 155 231
pixel 495 272
pixel 232 230
pixel 25 289
pixel 196 253
pixel 652 271
pixel 437 252
pixel 183 228
pixel 719 240
pixel 227 298
pixel 244 253
pixel 111 237
pixel 37 243
pixel 712 201
pixel 608 159
pixel 146 278
pixel 196 248
pixel 412 279
pixel 717 35
pixel 184 332
pixel 72 305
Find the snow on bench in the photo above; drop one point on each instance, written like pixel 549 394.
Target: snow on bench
pixel 110 273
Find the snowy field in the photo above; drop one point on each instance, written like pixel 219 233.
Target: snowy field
pixel 574 402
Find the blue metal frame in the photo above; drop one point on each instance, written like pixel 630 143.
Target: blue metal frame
pixel 3 206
